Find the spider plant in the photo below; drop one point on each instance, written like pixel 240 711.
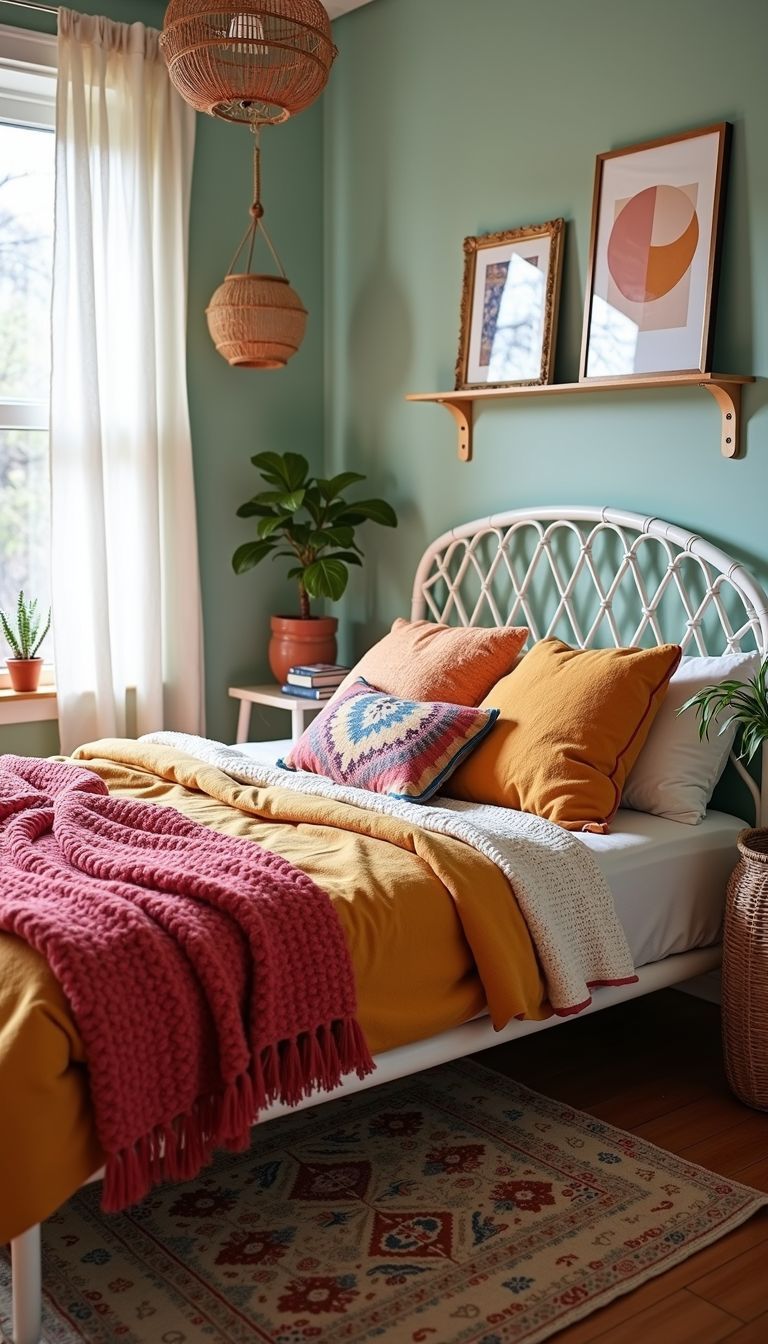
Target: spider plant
pixel 24 639
pixel 739 702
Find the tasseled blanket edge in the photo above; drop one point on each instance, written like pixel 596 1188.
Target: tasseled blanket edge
pixel 287 1072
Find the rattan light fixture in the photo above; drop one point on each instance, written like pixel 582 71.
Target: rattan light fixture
pixel 256 61
pixel 256 321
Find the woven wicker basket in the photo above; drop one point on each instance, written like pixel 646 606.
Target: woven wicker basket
pixel 256 321
pixel 745 972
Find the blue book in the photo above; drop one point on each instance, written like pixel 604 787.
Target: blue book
pixel 318 670
pixel 309 692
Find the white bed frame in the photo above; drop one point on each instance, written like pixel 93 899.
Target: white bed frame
pixel 592 576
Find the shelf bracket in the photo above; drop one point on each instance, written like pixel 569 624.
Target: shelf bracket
pixel 728 398
pixel 462 412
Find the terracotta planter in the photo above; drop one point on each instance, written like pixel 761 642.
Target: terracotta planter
pixel 295 641
pixel 25 673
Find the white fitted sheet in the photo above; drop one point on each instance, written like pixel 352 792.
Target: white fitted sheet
pixel 668 880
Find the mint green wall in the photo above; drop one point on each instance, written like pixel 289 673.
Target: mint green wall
pixel 236 413
pixel 445 119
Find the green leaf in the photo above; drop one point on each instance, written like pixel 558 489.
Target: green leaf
pixel 272 467
pixel 250 554
pixel 333 536
pixel 349 557
pixel 293 501
pixel 334 485
pixel 42 637
pixel 10 635
pixel 288 470
pixel 313 503
pixel 269 525
pixel 254 509
pixel 287 500
pixel 378 510
pixel 747 706
pixel 301 532
pixel 296 469
pixel 326 578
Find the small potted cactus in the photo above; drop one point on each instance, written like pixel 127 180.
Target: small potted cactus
pixel 24 640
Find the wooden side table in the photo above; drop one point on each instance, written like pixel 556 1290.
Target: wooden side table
pixel 271 695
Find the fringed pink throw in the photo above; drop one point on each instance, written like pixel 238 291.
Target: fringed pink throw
pixel 207 977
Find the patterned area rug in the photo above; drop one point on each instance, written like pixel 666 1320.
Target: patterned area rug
pixel 456 1207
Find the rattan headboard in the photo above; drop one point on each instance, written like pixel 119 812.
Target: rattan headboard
pixel 595 576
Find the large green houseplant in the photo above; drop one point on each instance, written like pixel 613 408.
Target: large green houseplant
pixel 308 521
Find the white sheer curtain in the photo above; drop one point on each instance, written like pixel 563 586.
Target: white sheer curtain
pixel 126 588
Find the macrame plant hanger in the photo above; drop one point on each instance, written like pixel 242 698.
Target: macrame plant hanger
pixel 256 321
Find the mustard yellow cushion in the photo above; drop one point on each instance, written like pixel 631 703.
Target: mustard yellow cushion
pixel 572 723
pixel 422 660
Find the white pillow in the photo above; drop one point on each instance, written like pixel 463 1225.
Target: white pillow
pixel 675 774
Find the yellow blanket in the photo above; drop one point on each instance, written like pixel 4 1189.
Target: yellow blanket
pixel 432 926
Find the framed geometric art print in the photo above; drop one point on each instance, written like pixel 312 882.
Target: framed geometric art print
pixel 654 251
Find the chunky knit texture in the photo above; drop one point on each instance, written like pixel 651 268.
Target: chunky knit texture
pixel 207 977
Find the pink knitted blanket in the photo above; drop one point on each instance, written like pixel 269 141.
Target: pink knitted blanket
pixel 207 977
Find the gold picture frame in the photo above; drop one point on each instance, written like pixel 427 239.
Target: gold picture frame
pixel 509 304
pixel 657 213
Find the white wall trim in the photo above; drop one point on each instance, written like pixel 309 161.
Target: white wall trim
pixel 28 65
pixel 23 710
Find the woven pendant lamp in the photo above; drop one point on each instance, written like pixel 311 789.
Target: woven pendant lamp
pixel 255 61
pixel 256 321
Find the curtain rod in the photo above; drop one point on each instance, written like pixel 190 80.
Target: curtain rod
pixel 32 4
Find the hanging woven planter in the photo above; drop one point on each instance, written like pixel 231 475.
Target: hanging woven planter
pixel 256 321
pixel 256 61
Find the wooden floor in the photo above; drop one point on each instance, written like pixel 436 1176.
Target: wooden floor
pixel 654 1067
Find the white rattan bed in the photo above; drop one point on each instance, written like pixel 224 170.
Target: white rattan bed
pixel 593 576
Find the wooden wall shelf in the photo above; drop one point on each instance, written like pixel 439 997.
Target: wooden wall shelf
pixel 724 387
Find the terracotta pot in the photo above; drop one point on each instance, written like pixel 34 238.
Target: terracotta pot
pixel 25 673
pixel 295 641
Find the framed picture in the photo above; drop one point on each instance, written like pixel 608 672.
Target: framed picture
pixel 509 306
pixel 653 258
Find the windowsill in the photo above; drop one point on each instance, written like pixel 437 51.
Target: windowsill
pixel 28 706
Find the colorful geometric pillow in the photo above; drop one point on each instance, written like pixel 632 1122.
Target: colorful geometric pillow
pixel 404 748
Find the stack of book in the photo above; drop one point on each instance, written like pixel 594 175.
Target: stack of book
pixel 314 681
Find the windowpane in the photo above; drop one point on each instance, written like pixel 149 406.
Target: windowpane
pixel 24 522
pixel 26 243
pixel 26 254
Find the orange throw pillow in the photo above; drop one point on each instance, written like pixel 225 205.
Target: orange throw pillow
pixel 421 660
pixel 571 727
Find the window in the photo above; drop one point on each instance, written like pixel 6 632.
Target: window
pixel 27 97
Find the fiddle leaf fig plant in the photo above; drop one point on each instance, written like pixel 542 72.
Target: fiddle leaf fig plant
pixel 308 520
pixel 24 639
pixel 742 703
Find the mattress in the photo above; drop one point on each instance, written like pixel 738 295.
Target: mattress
pixel 668 880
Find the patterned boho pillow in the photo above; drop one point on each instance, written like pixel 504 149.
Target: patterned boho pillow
pixel 404 748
